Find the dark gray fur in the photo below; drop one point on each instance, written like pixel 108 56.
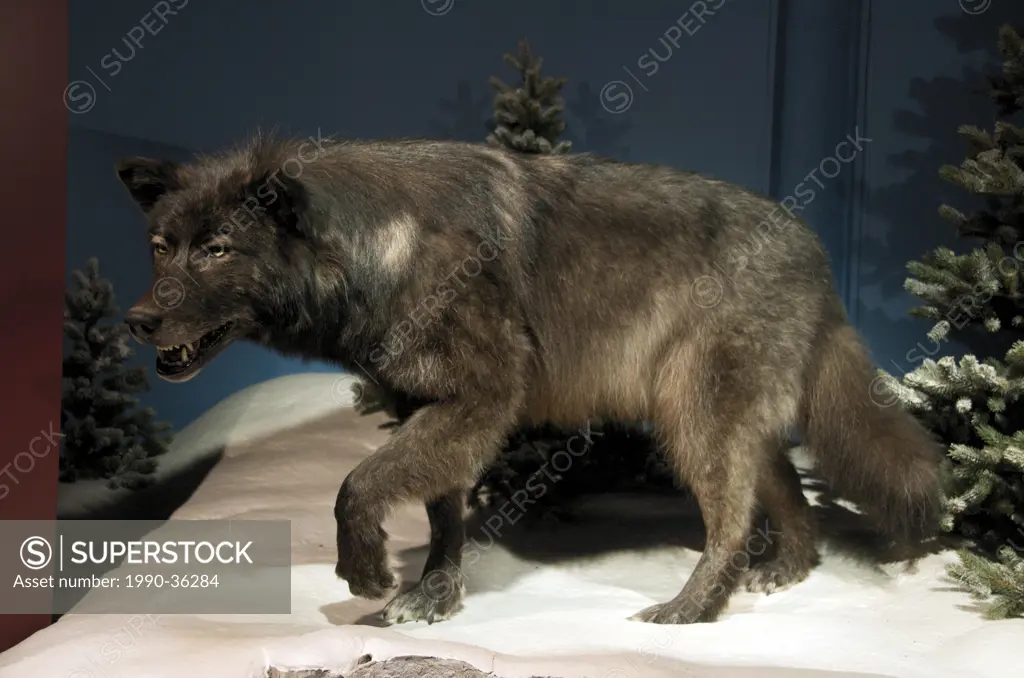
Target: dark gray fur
pixel 497 290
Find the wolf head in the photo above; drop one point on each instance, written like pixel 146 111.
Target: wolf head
pixel 220 231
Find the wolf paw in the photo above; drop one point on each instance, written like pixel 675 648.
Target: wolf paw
pixel 367 398
pixel 436 598
pixel 669 613
pixel 775 575
pixel 363 563
pixel 366 579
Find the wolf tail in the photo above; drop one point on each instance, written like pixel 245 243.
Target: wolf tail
pixel 867 446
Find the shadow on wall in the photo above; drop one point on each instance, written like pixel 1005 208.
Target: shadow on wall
pixel 105 223
pixel 904 219
pixel 591 128
pixel 465 116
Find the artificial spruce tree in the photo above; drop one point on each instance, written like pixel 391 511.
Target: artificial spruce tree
pixel 975 405
pixel 528 116
pixel 105 432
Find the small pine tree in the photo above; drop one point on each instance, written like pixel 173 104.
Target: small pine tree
pixel 528 117
pixel 106 434
pixel 974 405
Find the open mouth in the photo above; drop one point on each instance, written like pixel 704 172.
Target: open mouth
pixel 181 362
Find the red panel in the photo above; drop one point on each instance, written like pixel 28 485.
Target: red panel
pixel 33 200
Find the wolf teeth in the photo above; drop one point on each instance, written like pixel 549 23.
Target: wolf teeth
pixel 190 347
pixel 184 353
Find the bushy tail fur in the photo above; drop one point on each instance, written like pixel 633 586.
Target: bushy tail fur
pixel 868 447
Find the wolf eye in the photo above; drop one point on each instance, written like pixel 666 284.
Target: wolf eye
pixel 217 251
pixel 160 248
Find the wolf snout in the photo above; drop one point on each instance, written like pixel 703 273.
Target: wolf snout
pixel 143 324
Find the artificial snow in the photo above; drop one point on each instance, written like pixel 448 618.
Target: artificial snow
pixel 550 601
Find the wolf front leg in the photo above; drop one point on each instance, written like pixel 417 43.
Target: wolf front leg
pixel 438 594
pixel 442 448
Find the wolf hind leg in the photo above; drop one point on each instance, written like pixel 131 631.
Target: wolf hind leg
pixel 791 535
pixel 708 416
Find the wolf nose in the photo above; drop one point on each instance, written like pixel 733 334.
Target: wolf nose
pixel 142 325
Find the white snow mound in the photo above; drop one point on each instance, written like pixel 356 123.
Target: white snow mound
pixel 556 607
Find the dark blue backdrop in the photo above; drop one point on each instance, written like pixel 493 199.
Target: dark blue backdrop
pixel 755 91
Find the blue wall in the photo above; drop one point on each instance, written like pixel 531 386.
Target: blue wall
pixel 386 68
pixel 760 93
pixel 924 70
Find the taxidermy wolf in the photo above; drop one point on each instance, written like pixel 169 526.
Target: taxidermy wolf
pixel 499 290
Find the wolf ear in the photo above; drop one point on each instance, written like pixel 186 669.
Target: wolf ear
pixel 147 180
pixel 283 199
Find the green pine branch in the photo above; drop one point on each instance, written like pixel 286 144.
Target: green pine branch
pixel 977 408
pixel 999 584
pixel 1007 87
pixel 981 288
